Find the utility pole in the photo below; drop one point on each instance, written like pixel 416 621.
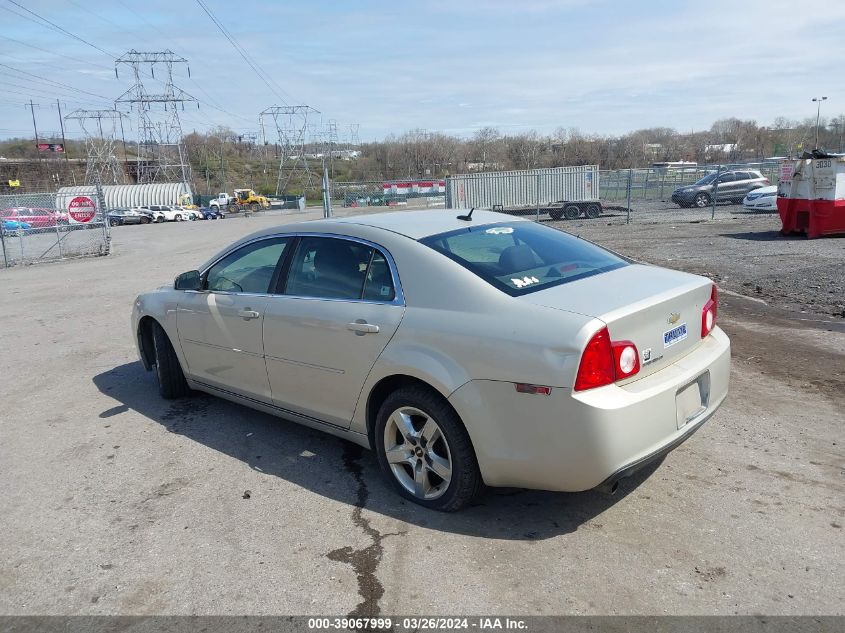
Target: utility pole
pixel 818 114
pixel 34 127
pixel 62 125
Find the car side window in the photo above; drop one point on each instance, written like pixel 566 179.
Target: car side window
pixel 378 285
pixel 248 269
pixel 330 268
pixel 729 177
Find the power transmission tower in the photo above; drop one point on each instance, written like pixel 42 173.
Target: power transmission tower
pixel 352 140
pixel 100 128
pixel 292 131
pixel 162 156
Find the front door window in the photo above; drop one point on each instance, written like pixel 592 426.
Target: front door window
pixel 249 269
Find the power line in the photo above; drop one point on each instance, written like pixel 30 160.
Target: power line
pixel 241 51
pixel 39 91
pixel 59 28
pixel 45 22
pixel 57 83
pixel 44 50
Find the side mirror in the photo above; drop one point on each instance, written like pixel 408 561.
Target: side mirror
pixel 188 281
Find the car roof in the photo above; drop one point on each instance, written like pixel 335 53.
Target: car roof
pixel 421 224
pixel 416 225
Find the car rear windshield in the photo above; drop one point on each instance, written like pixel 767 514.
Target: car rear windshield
pixel 523 257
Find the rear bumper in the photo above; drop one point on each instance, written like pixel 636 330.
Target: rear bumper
pixel 577 441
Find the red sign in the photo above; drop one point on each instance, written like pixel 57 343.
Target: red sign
pixel 51 147
pixel 82 209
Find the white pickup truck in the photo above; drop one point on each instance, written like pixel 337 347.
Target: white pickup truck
pixel 222 202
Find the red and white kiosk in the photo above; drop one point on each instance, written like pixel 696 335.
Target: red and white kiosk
pixel 811 195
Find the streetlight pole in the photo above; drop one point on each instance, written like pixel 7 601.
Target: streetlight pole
pixel 818 114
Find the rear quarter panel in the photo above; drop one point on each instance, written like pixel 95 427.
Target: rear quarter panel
pixel 458 328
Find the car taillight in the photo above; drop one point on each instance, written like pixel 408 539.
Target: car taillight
pixel 604 361
pixel 626 359
pixel 709 312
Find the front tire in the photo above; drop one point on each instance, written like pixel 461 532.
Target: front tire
pixel 593 210
pixel 571 212
pixel 425 451
pixel 171 379
pixel 701 200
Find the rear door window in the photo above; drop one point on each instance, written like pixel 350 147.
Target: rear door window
pixel 335 268
pixel 329 268
pixel 378 284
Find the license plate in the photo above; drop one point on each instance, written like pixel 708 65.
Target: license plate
pixel 691 401
pixel 674 335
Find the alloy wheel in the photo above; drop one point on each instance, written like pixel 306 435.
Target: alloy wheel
pixel 418 453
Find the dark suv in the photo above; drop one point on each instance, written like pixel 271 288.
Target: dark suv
pixel 726 186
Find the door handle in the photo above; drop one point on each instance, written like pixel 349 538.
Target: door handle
pixel 362 328
pixel 248 314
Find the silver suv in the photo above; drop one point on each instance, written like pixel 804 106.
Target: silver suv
pixel 728 186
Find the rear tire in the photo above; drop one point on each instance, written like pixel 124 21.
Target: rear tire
pixel 571 212
pixel 593 210
pixel 145 220
pixel 254 206
pixel 171 379
pixel 449 445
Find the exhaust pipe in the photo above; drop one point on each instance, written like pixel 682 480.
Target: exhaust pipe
pixel 609 487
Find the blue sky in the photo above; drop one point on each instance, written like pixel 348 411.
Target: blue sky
pixel 602 66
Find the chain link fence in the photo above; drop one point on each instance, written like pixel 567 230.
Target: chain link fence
pixel 39 227
pixel 649 195
pixel 703 192
pixel 355 198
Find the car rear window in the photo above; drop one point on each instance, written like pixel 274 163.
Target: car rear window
pixel 523 257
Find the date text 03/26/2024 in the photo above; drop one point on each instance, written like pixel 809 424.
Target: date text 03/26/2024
pixel 417 624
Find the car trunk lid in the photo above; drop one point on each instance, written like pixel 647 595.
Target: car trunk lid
pixel 657 309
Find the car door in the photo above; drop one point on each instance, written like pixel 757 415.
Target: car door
pixel 726 187
pixel 220 326
pixel 750 182
pixel 339 305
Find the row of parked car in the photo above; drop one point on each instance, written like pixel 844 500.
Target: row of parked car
pixel 25 218
pixel 747 186
pixel 19 219
pixel 161 213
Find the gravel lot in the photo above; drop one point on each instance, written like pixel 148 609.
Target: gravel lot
pixel 743 252
pixel 116 501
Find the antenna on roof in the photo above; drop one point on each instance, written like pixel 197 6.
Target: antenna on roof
pixel 468 216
